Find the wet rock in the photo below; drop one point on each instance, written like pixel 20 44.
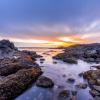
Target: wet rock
pixel 80 74
pixel 70 80
pixel 64 75
pixel 41 62
pixel 97 88
pixel 54 62
pixel 11 68
pixel 15 84
pixel 74 93
pixel 32 54
pixel 64 93
pixel 93 78
pixel 94 93
pixel 45 82
pixel 42 59
pixel 81 86
pixel 60 86
pixel 86 52
pixel 98 67
pixel 70 60
pixel 92 82
pixel 6 45
pixel 87 74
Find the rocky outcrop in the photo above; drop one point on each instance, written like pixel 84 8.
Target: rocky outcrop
pixel 93 78
pixel 86 52
pixel 18 69
pixel 13 85
pixel 7 49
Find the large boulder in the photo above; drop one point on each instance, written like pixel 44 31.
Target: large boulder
pixel 45 82
pixel 13 85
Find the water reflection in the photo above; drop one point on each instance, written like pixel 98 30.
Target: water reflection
pixel 59 72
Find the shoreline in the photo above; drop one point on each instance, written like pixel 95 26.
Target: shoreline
pixel 16 62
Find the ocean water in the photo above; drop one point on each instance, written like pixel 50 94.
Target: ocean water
pixel 57 72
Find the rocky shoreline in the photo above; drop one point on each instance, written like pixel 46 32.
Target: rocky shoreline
pixel 89 53
pixel 93 79
pixel 86 52
pixel 18 70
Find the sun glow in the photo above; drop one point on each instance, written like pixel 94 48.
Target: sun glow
pixel 54 42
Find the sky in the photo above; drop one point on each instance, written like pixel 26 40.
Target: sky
pixel 50 22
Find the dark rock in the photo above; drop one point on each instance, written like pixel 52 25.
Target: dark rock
pixel 41 62
pixel 32 54
pixel 70 60
pixel 64 75
pixel 97 88
pixel 98 67
pixel 74 93
pixel 45 82
pixel 80 74
pixel 86 52
pixel 64 93
pixel 94 93
pixel 93 78
pixel 15 84
pixel 11 68
pixel 54 62
pixel 81 86
pixel 71 80
pixel 42 59
pixel 6 44
pixel 92 82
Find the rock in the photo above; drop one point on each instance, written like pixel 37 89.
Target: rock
pixel 45 82
pixel 41 62
pixel 86 52
pixel 32 54
pixel 11 68
pixel 87 74
pixel 70 60
pixel 97 88
pixel 64 93
pixel 6 44
pixel 98 67
pixel 54 62
pixel 64 75
pixel 42 59
pixel 15 84
pixel 80 74
pixel 82 85
pixel 98 82
pixel 74 93
pixel 92 82
pixel 93 78
pixel 70 80
pixel 94 93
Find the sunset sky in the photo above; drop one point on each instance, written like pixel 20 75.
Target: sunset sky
pixel 50 22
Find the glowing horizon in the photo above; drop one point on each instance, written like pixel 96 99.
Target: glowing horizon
pixel 58 41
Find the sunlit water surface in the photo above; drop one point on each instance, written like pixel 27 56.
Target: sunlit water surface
pixel 57 72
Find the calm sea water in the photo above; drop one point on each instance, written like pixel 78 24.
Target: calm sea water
pixel 56 73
